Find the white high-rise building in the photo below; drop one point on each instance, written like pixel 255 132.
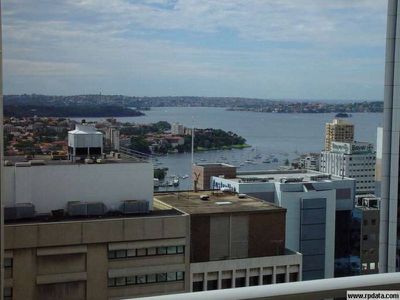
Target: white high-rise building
pixel 177 129
pixel 354 160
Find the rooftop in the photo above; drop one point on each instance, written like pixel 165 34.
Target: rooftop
pixel 39 160
pixel 289 175
pixel 158 210
pixel 218 202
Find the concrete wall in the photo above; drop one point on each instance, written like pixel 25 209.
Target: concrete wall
pixel 69 260
pixel 50 187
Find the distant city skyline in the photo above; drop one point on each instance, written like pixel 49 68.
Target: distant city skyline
pixel 304 49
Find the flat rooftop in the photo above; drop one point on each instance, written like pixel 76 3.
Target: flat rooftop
pixel 48 161
pixel 277 175
pixel 156 212
pixel 218 202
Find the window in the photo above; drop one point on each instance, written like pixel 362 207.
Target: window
pixel 8 263
pixel 161 277
pixel 280 278
pixel 267 279
pixel 162 250
pixel 179 275
pixel 111 281
pixel 131 280
pixel 171 250
pixel 140 279
pixel 171 276
pixel 8 293
pixel 141 252
pixel 120 281
pixel 372 266
pixel 151 278
pixel 365 237
pixel 253 280
pixel 120 253
pixel 226 283
pixel 293 277
pixel 373 222
pixel 151 251
pixel 111 254
pixel 131 252
pixel 180 249
pixel 212 285
pixel 197 286
pixel 364 266
pixel 240 282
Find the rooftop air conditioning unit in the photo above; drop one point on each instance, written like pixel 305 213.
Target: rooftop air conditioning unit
pixel 134 207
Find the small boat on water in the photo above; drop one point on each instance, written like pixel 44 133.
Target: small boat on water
pixel 175 182
pixel 185 176
pixel 266 161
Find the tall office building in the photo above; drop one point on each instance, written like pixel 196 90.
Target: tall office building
pixel 389 251
pixel 338 131
pixel 355 160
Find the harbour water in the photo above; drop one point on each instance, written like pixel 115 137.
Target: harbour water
pixel 272 136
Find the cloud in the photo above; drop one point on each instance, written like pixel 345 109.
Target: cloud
pixel 150 44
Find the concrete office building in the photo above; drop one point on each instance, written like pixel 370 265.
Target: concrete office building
pixel 317 206
pixel 354 160
pixel 338 131
pixel 112 138
pixel 235 241
pixel 366 214
pixel 201 173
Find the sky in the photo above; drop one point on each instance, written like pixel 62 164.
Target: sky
pixel 271 49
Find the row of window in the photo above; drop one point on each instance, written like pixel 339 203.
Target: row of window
pixel 117 254
pixel 241 282
pixel 145 279
pixel 373 222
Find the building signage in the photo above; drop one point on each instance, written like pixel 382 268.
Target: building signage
pixel 352 148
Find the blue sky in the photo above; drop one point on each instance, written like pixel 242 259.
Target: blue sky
pixel 275 49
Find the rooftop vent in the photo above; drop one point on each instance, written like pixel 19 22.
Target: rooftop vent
pixel 134 207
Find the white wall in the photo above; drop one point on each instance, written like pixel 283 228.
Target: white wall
pixel 50 187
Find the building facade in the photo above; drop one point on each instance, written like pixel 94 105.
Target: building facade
pixel 235 242
pixel 338 131
pixel 354 160
pixel 202 173
pixel 314 201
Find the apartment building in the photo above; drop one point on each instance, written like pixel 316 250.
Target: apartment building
pixel 236 240
pixel 354 160
pixel 338 131
pixel 318 214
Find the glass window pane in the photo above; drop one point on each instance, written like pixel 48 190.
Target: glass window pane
pixel 171 276
pixel 179 275
pixel 131 252
pixel 131 280
pixel 8 262
pixel 111 281
pixel 162 250
pixel 180 249
pixel 111 254
pixel 119 281
pixel 151 251
pixel 140 279
pixel 171 250
pixel 7 292
pixel 161 277
pixel 120 253
pixel 141 252
pixel 151 278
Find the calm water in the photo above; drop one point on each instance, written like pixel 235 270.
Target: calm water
pixel 271 135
